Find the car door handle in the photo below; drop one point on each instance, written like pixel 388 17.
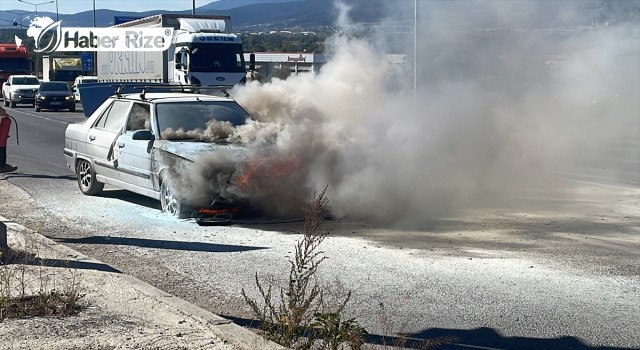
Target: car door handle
pixel 121 144
pixel 92 137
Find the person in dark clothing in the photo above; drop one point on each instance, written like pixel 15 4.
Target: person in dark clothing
pixel 4 135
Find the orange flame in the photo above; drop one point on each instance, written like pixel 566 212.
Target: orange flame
pixel 267 168
pixel 214 212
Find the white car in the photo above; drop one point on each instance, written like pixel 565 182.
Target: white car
pixel 145 142
pixel 83 79
pixel 20 89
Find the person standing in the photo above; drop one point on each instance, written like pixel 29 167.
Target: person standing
pixel 5 125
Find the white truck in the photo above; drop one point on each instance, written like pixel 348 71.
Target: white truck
pixel 203 52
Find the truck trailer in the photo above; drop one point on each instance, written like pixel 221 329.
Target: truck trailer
pixel 203 51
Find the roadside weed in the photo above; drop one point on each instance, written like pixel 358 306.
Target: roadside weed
pixel 297 315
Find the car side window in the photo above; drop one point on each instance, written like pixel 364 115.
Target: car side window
pixel 139 117
pixel 114 118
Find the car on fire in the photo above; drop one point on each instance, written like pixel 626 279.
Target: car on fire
pixel 141 141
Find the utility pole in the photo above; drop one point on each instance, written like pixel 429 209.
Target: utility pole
pixel 415 47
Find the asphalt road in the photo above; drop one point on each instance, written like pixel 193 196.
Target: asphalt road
pixel 555 271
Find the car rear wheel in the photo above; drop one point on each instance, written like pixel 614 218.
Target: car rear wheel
pixel 72 109
pixel 37 109
pixel 170 202
pixel 87 178
pixel 12 104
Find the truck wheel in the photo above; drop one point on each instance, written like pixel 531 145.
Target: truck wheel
pixel 87 178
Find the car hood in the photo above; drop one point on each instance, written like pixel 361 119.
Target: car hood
pixel 192 150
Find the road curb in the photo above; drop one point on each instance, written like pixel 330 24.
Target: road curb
pixel 238 336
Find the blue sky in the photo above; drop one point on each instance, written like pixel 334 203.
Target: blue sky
pixel 75 6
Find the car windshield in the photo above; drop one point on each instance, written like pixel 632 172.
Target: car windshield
pixel 209 121
pixel 54 87
pixel 26 81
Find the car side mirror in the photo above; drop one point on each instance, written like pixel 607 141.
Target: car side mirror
pixel 7 84
pixel 143 135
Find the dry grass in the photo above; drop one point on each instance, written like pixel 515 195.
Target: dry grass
pixel 28 288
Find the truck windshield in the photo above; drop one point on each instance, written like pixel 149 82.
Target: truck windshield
pixel 186 120
pixel 217 58
pixel 26 81
pixel 15 65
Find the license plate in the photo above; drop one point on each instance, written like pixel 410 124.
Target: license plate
pixel 56 103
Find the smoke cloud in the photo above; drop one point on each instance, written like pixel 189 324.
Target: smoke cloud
pixel 510 95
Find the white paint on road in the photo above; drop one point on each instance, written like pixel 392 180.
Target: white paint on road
pixel 40 116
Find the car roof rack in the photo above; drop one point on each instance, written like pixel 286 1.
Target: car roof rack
pixel 183 88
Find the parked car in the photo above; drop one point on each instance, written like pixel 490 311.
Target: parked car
pixel 142 142
pixel 83 79
pixel 20 89
pixel 55 95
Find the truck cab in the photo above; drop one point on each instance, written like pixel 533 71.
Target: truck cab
pixel 208 59
pixel 14 60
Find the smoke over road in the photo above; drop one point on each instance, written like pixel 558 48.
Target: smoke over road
pixel 503 102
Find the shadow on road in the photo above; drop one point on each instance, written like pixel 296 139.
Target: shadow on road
pixel 158 244
pixel 38 176
pixel 487 338
pixel 23 258
pixel 461 339
pixel 131 197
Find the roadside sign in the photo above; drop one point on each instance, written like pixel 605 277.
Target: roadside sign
pixel 87 62
pixel 124 19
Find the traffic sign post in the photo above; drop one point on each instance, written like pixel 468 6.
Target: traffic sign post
pixel 87 62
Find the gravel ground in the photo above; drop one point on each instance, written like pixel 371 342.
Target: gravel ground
pixel 558 273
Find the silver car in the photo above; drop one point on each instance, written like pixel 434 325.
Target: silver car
pixel 148 143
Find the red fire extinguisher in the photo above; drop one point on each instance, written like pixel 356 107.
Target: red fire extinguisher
pixel 5 126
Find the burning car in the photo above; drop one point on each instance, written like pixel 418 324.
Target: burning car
pixel 148 142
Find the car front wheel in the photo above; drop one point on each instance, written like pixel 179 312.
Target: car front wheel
pixel 87 181
pixel 170 202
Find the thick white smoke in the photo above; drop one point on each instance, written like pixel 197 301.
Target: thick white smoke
pixel 502 104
